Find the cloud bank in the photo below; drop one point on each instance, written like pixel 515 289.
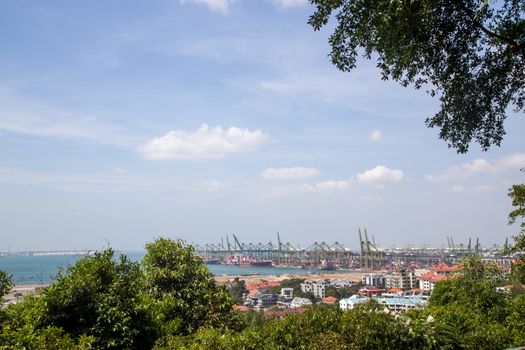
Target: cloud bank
pixel 380 174
pixel 204 143
pixel 480 166
pixel 222 6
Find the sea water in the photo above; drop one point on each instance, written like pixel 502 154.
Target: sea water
pixel 43 269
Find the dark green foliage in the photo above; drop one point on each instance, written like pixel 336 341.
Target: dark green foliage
pixel 341 293
pixel 6 283
pixel 237 288
pixel 173 303
pixel 183 291
pixel 469 53
pixel 517 194
pixel 368 327
pixel 294 283
pixel 100 297
pixel 474 287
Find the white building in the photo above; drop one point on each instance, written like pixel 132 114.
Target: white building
pixel 286 293
pixel 350 303
pixel 300 302
pixel 373 279
pixel 402 304
pixel 402 279
pixel 317 288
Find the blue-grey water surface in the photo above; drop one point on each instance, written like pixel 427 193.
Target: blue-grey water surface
pixel 42 269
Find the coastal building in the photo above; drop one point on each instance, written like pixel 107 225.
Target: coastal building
pixel 402 279
pixel 300 302
pixel 373 279
pixel 286 293
pixel 371 292
pixel 435 274
pixel 396 304
pixel 401 304
pixel 350 303
pixel 262 301
pixel 428 281
pixel 317 288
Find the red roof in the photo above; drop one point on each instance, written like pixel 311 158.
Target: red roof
pixel 329 300
pixel 263 284
pixel 240 308
pixel 429 276
pixel 394 290
pixel 443 268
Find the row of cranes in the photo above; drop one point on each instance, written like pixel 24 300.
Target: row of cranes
pixel 370 255
pixel 285 253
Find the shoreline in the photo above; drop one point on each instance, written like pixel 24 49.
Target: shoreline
pixel 248 278
pixel 277 278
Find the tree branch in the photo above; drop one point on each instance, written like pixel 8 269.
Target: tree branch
pixel 514 45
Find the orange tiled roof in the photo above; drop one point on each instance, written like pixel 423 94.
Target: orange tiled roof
pixel 429 276
pixel 443 268
pixel 329 300
pixel 240 308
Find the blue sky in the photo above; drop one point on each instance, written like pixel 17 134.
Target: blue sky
pixel 126 120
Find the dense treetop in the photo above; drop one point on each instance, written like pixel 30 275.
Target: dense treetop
pixel 470 54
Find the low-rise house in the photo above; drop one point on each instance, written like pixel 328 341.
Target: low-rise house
pixel 350 303
pixel 402 279
pixel 317 288
pixel 428 281
pixel 371 292
pixel 262 301
pixel 300 302
pixel 401 304
pixel 329 300
pixel 373 279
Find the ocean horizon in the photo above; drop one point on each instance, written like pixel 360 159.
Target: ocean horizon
pixel 42 269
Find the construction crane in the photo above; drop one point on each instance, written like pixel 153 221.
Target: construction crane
pixel 362 257
pixel 280 247
pixel 229 245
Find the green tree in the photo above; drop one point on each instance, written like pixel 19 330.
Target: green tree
pixel 469 53
pixel 183 291
pixel 474 287
pixel 100 296
pixel 6 283
pixel 517 194
pixel 237 288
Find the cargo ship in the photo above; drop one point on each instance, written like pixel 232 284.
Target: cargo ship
pixel 247 261
pixel 257 263
pixel 327 265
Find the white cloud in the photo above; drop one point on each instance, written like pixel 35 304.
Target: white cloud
pixel 204 143
pixel 289 173
pixel 380 174
pixel 290 3
pixel 480 166
pixel 331 186
pixel 474 189
pixel 376 135
pixel 512 161
pixel 27 116
pixel 107 182
pixel 464 170
pixel 222 6
pixel 325 187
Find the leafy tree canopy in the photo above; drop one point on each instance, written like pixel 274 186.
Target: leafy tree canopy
pixel 6 283
pixel 99 296
pixel 517 194
pixel 470 53
pixel 182 289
